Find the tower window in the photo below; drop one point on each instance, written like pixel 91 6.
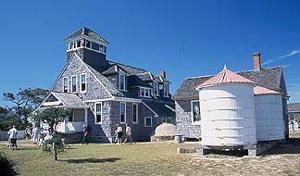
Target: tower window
pixel 95 46
pixel 78 43
pixel 88 44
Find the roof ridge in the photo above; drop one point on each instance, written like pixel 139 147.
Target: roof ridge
pixel 127 65
pixel 197 77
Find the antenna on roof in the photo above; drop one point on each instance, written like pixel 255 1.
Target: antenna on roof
pixel 225 67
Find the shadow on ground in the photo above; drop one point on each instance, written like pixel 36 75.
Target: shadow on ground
pixel 292 146
pixel 92 160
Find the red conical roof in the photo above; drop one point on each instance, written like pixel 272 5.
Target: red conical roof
pixel 258 90
pixel 225 76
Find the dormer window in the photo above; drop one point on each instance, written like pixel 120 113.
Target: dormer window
pixel 145 92
pixel 122 82
pixel 166 90
pixel 155 88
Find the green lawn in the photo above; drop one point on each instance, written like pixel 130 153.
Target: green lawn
pixel 151 159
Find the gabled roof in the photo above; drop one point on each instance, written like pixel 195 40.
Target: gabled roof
pixel 129 69
pixel 67 100
pixel 223 77
pixel 114 69
pixel 294 107
pixel 106 83
pixel 162 109
pixel 268 77
pixel 86 32
pixel 258 90
pixel 134 80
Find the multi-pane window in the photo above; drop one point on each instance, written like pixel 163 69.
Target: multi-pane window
pixel 135 111
pixel 145 92
pixel 155 88
pixel 148 122
pixel 74 83
pixel 88 44
pixel 166 90
pixel 83 82
pixel 122 82
pixel 122 112
pixel 195 109
pixel 66 84
pixel 95 46
pixel 98 112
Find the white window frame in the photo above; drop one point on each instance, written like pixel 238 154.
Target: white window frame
pixel 83 91
pixel 137 113
pixel 124 82
pixel 67 84
pixel 145 125
pixel 164 90
pixel 144 90
pixel 155 87
pixel 75 83
pixel 101 113
pixel 124 113
pixel 192 114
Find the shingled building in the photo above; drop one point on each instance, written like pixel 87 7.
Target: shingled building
pixel 188 117
pixel 102 93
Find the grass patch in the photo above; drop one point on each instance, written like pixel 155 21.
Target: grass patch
pixel 150 159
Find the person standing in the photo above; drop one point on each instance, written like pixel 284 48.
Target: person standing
pixel 119 133
pixel 35 135
pixel 27 132
pixel 128 134
pixel 86 131
pixel 12 136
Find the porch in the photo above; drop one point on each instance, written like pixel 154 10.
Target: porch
pixel 79 115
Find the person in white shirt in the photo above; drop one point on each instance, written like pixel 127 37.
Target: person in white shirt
pixel 35 135
pixel 119 134
pixel 12 136
pixel 128 134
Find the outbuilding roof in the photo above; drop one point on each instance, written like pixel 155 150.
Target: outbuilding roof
pixel 162 109
pixel 223 77
pixel 268 77
pixel 294 107
pixel 258 90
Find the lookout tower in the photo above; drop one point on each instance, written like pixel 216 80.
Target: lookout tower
pixel 90 46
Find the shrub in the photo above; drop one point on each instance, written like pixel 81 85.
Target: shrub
pixel 7 166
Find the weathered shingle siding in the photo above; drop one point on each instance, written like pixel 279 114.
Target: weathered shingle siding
pixel 95 90
pixel 184 120
pixel 100 132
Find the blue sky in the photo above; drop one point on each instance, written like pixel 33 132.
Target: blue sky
pixel 185 38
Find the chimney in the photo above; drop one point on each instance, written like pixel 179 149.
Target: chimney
pixel 256 61
pixel 163 74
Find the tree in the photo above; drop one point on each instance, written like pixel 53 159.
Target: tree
pixel 51 117
pixel 25 101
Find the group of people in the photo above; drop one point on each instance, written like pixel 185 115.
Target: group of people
pixel 120 136
pixel 34 133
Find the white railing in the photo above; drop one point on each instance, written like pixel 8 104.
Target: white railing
pixel 70 127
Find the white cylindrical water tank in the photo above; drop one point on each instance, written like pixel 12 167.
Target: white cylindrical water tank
pixel 227 115
pixel 269 117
